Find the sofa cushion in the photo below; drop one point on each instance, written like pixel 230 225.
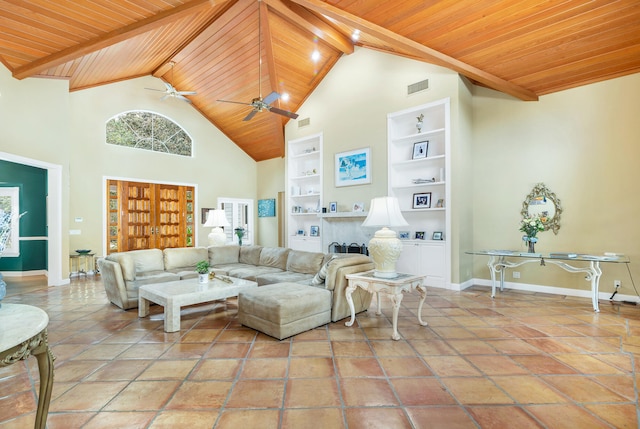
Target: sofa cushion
pixel 275 257
pixel 180 258
pixel 250 255
pixel 127 264
pixel 304 262
pixel 221 255
pixel 281 277
pixel 251 273
pixel 147 260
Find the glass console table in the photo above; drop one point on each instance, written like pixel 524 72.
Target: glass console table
pixel 499 261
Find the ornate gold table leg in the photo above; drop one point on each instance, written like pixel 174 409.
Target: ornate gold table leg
pixel 45 366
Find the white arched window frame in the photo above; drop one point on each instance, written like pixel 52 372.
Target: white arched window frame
pixel 146 130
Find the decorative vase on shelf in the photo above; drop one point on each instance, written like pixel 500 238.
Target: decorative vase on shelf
pixel 420 123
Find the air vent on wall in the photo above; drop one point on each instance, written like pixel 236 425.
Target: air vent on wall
pixel 304 122
pixel 423 85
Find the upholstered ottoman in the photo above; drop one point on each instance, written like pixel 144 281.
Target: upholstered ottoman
pixel 284 309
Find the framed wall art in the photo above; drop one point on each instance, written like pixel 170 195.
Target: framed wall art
pixel 422 200
pixel 333 207
pixel 420 149
pixel 314 231
pixel 353 167
pixel 267 208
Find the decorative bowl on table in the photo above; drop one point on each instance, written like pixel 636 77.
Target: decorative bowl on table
pixel 83 251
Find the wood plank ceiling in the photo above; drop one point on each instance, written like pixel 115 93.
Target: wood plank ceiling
pixel 524 48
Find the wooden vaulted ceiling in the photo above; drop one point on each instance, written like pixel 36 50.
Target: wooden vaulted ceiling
pixel 524 48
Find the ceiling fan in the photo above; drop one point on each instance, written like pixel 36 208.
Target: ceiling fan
pixel 171 91
pixel 259 104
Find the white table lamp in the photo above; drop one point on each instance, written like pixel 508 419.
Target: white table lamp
pixel 216 219
pixel 385 247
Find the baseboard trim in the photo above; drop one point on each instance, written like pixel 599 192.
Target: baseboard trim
pixel 552 290
pixel 25 273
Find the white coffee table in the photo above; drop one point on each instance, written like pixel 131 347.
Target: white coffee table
pixel 174 295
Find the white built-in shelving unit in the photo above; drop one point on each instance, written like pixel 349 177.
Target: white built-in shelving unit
pixel 304 193
pixel 419 177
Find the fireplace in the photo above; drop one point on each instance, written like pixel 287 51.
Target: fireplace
pixel 336 247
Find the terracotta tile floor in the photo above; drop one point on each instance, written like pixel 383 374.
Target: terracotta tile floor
pixel 522 360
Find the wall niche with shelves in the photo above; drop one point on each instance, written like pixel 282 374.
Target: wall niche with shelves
pixel 304 193
pixel 418 171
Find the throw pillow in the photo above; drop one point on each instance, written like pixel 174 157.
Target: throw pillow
pixel 321 275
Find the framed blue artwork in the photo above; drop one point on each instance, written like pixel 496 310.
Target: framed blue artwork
pixel 267 208
pixel 353 167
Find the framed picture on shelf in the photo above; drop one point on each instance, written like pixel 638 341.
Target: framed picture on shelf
pixel 333 207
pixel 314 231
pixel 420 149
pixel 358 207
pixel 422 200
pixel 419 235
pixel 440 203
pixel 353 167
pixel 437 235
pixel 404 235
pixel 300 232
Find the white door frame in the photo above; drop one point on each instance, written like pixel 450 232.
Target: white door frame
pixel 54 215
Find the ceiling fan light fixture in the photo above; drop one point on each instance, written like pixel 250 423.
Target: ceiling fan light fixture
pixel 315 55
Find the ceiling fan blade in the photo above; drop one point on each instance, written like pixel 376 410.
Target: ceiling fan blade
pixel 271 98
pixel 159 90
pixel 283 112
pixel 164 97
pixel 186 92
pixel 183 98
pixel 235 102
pixel 250 115
pixel 169 87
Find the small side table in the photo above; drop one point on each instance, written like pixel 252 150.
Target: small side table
pixel 24 333
pixel 392 287
pixel 83 264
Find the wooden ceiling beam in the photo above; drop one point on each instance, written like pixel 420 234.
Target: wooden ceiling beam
pixel 310 22
pixel 418 50
pixel 112 37
pixel 268 47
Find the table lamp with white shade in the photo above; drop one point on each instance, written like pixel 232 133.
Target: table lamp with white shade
pixel 385 247
pixel 217 219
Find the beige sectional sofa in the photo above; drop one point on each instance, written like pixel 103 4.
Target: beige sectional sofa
pixel 123 273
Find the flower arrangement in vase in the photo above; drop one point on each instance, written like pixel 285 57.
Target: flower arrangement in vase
pixel 531 225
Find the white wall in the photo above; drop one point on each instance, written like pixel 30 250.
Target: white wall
pixel 41 120
pixel 583 144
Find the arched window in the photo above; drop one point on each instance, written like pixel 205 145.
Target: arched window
pixel 149 131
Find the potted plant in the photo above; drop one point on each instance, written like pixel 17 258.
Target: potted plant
pixel 202 268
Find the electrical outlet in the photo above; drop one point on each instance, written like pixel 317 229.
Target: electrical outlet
pixel 516 274
pixel 616 284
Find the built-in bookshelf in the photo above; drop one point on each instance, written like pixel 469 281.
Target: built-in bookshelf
pixel 418 150
pixel 304 193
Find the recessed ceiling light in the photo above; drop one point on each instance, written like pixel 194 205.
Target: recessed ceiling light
pixel 285 96
pixel 315 56
pixel 356 35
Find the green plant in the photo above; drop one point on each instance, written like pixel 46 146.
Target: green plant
pixel 531 225
pixel 202 267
